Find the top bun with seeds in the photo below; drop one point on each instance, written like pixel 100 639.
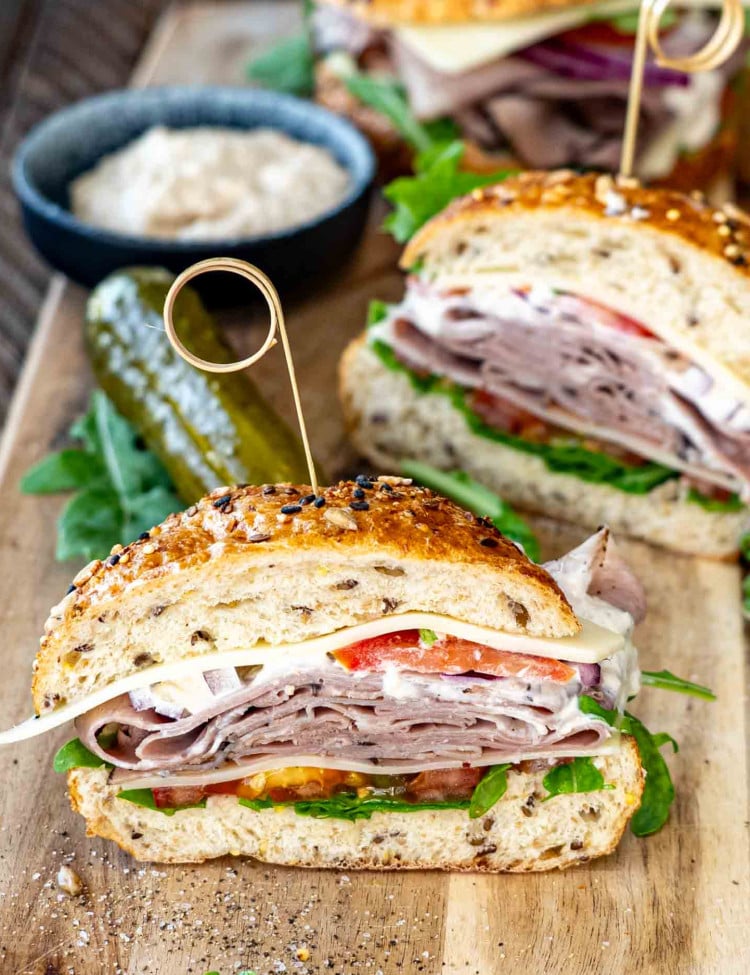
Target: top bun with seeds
pixel 386 13
pixel 275 564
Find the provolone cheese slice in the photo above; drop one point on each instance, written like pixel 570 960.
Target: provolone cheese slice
pixel 593 644
pixel 455 48
pixel 230 771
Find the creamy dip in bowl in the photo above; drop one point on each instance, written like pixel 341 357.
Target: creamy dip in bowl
pixel 209 183
pixel 191 205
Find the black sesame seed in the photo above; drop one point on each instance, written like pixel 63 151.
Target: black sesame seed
pixel 489 542
pixel 359 505
pixel 319 502
pixel 143 536
pixel 70 590
pixel 358 493
pixel 386 487
pixel 223 501
pixel 364 481
pixel 113 560
pixel 308 499
pixel 269 489
pixel 291 509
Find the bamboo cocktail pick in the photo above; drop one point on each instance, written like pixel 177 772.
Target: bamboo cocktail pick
pixel 718 49
pixel 269 292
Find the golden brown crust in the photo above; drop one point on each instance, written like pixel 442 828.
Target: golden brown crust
pixel 385 13
pixel 722 232
pixel 387 515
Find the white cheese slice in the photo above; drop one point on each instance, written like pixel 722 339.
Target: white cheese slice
pixel 455 48
pixel 231 771
pixel 593 644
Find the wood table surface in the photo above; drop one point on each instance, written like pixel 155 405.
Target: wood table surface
pixel 675 904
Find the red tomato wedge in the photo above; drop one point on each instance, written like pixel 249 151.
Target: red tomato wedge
pixel 448 655
pixel 610 318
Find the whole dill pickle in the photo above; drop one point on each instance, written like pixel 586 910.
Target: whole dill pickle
pixel 208 429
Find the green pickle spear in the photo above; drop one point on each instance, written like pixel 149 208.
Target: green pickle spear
pixel 208 429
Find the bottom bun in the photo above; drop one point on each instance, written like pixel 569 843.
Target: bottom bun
pixel 389 420
pixel 520 833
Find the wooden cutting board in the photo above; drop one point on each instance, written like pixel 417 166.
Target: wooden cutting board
pixel 674 904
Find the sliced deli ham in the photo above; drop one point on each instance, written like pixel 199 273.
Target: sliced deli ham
pixel 572 364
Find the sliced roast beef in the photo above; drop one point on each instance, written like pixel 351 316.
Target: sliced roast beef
pixel 569 362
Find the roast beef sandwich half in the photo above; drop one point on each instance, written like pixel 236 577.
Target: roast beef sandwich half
pixel 371 677
pixel 580 345
pixel 533 83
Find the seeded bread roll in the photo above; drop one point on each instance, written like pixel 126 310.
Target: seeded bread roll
pixel 389 420
pixel 253 564
pixel 670 261
pixel 519 834
pixel 387 13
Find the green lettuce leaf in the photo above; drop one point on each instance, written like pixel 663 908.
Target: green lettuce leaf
pixel 428 637
pixel 669 682
pixel 74 754
pixel 437 181
pixel 491 789
pixel 473 496
pixel 580 775
pixel 733 503
pixel 561 456
pixel 145 798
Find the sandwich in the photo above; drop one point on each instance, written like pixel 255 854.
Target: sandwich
pixel 579 344
pixel 367 678
pixel 529 83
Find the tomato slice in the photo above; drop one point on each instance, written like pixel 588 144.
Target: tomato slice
pixel 609 317
pixel 448 655
pixel 172 797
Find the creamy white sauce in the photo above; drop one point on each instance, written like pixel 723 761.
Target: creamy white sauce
pixel 209 183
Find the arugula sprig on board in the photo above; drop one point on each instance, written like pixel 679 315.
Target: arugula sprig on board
pixel 667 681
pixel 121 489
pixel 658 792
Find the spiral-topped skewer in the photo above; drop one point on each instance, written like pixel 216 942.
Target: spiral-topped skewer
pixel 269 292
pixel 722 44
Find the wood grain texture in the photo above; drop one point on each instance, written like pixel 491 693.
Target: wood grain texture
pixel 675 904
pixel 52 52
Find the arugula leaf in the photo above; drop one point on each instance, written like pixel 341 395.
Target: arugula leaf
pixel 491 789
pixel 352 807
pixel 428 637
pixel 74 754
pixel 387 96
pixel 658 792
pixel 64 471
pixel 288 66
pixel 122 489
pixel 664 738
pixel 732 503
pixel 89 525
pixel 746 595
pixel 580 775
pixel 564 457
pixel 474 496
pixel 437 181
pixel 378 310
pixel 669 682
pixel 145 798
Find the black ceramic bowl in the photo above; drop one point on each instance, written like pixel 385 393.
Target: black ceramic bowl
pixel 73 140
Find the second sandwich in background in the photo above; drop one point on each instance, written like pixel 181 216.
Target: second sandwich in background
pixel 578 344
